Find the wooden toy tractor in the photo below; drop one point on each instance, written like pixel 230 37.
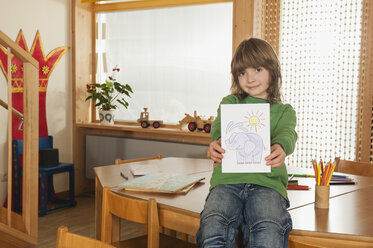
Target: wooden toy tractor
pixel 197 122
pixel 145 122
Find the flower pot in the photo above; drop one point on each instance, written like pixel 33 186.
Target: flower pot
pixel 106 117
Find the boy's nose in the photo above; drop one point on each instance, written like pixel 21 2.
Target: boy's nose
pixel 250 77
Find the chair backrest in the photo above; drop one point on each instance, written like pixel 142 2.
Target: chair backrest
pixel 354 168
pixel 177 221
pixel 44 142
pixel 116 206
pixel 118 161
pixel 66 239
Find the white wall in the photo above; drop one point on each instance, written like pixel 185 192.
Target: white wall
pixel 53 20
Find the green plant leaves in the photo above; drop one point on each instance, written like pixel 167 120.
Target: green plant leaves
pixel 106 94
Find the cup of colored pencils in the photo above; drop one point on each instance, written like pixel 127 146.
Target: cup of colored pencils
pixel 323 175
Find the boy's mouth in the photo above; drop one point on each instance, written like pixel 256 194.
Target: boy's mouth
pixel 253 87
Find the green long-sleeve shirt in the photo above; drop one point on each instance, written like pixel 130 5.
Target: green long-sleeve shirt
pixel 282 122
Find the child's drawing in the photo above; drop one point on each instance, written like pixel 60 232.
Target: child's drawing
pixel 248 147
pixel 255 121
pixel 245 137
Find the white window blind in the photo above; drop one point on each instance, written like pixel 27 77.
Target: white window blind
pixel 177 59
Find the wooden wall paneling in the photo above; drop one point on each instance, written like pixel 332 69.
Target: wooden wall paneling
pixel 10 104
pixel 150 4
pixel 364 130
pixel 243 20
pixel 82 58
pixel 94 61
pixel 30 148
pixel 271 23
pixel 82 74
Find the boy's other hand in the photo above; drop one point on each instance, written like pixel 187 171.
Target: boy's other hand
pixel 216 151
pixel 277 156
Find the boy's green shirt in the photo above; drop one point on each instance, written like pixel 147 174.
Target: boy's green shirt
pixel 283 121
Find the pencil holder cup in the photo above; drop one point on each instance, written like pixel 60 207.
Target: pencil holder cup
pixel 322 196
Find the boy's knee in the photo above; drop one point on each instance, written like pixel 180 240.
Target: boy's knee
pixel 216 229
pixel 267 233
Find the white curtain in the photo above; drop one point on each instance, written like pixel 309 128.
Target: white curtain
pixel 320 55
pixel 177 59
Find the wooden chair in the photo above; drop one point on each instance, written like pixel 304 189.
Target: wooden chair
pixel 66 239
pixel 354 168
pixel 118 161
pixel 116 207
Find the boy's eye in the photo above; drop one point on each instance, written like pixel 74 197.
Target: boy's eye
pixel 242 73
pixel 258 69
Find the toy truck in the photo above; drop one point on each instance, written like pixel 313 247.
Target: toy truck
pixel 145 122
pixel 197 122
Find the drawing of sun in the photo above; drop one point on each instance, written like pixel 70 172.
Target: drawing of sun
pixel 255 121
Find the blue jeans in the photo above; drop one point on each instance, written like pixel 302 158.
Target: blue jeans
pixel 260 212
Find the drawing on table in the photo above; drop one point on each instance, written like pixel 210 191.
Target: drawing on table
pixel 245 135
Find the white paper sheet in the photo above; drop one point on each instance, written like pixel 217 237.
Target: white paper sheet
pixel 245 136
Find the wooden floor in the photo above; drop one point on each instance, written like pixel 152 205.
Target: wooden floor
pixel 79 220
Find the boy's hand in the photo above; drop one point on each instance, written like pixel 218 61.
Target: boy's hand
pixel 277 156
pixel 216 151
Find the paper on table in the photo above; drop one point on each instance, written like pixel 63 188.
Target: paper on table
pixel 142 169
pixel 245 136
pixel 162 182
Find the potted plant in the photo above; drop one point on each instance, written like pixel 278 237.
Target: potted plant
pixel 107 95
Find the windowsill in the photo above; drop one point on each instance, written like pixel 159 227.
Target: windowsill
pixel 133 130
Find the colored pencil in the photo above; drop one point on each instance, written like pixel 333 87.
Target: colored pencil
pixel 342 176
pixel 318 174
pixel 333 168
pixel 341 179
pixel 341 183
pixel 324 173
pixel 314 168
pixel 291 177
pixel 297 187
pixel 322 168
pixel 122 175
pixel 301 175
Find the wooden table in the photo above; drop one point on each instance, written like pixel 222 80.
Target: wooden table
pixel 82 130
pixel 191 204
pixel 350 212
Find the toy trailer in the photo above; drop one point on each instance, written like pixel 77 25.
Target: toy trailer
pixel 197 122
pixel 145 122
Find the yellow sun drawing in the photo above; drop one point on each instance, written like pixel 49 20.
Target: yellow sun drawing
pixel 255 121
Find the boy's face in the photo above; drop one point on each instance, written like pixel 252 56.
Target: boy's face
pixel 255 82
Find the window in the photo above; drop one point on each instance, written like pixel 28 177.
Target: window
pixel 177 59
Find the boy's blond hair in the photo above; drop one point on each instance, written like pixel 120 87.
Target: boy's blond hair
pixel 256 53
